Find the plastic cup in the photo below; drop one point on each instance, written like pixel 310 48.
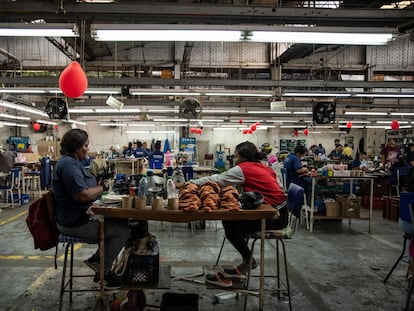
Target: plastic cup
pixel 140 203
pixel 157 204
pixel 127 202
pixel 172 204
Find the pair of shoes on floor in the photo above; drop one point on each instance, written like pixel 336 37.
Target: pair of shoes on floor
pixel 93 263
pixel 218 279
pixel 110 281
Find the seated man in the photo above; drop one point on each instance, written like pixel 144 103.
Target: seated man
pixel 336 154
pixel 360 162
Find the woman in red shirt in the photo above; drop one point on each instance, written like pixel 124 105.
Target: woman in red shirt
pixel 251 175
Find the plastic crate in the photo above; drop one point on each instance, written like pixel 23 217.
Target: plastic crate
pixel 141 270
pixel 25 199
pixel 179 302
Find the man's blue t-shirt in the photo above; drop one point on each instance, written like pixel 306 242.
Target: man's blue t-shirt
pixel 292 163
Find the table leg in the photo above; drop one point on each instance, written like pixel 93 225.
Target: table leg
pixel 102 259
pixel 262 263
pixel 371 199
pixel 312 204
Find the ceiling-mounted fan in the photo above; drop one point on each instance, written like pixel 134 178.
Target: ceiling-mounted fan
pixel 324 112
pixel 56 108
pixel 190 108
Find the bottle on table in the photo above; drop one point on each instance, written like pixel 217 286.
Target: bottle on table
pixel 151 183
pixel 142 186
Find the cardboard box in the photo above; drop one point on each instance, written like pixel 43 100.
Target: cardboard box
pixel 333 209
pixel 350 207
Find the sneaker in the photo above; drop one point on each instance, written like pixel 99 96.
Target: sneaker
pixel 93 263
pixel 110 281
pixel 218 279
pixel 233 273
pixel 244 266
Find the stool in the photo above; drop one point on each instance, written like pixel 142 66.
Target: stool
pixel 278 236
pixel 69 242
pixel 32 181
pixel 294 206
pixel 406 237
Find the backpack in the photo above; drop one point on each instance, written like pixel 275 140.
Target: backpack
pixel 41 222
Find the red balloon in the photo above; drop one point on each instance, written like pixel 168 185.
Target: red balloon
pixel 395 125
pixel 349 125
pixel 199 131
pixel 241 121
pixel 258 123
pixel 73 81
pixel 253 127
pixel 306 132
pixel 36 126
pixel 193 130
pixel 245 131
pixel 56 127
pixel 249 131
pixel 296 133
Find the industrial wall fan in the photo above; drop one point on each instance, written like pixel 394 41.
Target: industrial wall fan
pixel 324 113
pixel 190 108
pixel 56 108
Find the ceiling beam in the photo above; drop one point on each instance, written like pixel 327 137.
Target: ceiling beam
pixel 134 81
pixel 199 13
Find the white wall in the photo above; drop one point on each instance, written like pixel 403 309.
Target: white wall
pixel 101 138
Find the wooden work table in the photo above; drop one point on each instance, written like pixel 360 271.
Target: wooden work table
pixel 262 213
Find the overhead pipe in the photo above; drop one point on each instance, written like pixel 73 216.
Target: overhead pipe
pixel 8 54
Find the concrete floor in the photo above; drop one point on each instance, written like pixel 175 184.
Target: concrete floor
pixel 337 267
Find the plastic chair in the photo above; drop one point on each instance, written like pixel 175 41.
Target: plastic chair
pixel 14 184
pixel 294 206
pixel 406 214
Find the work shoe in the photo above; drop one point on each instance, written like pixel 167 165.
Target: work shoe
pixel 93 263
pixel 110 281
pixel 244 266
pixel 233 272
pixel 218 279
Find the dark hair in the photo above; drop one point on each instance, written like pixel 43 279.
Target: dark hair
pixel 139 144
pixel 157 145
pixel 248 151
pixel 300 149
pixel 72 141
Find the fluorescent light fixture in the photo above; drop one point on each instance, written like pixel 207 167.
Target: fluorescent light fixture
pixel 402 114
pixel 81 110
pixel 316 94
pixel 137 132
pixel 75 122
pixel 114 103
pixel 164 110
pixel 169 120
pixel 221 111
pixel 247 33
pixel 11 90
pixel 386 95
pixel 299 127
pixel 302 112
pixel 140 124
pixel 46 122
pixel 9 116
pixel 268 112
pixel 225 128
pixel 113 124
pixel 163 132
pixel 367 113
pixel 37 90
pixel 22 108
pixel 38 30
pixel 240 93
pixel 163 92
pixel 106 110
pixel 325 35
pixel 388 122
pixel 3 123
